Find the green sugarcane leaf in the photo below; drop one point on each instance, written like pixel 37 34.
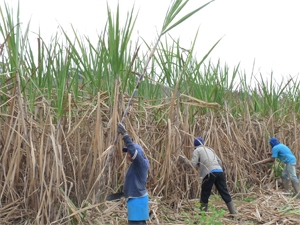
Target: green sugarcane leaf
pixel 170 18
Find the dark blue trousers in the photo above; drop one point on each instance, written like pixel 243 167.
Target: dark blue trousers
pixel 143 222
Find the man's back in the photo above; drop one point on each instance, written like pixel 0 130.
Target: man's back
pixel 284 153
pixel 206 159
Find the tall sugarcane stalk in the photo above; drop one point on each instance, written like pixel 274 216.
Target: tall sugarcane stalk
pixel 172 12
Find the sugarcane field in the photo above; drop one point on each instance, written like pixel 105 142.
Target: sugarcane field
pixel 62 156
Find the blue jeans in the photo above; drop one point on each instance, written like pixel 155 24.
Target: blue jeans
pixel 289 172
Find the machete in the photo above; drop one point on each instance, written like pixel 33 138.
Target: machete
pixel 115 196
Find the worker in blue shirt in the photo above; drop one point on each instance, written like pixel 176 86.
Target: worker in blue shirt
pixel 135 181
pixel 285 155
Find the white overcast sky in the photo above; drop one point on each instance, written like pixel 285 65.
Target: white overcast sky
pixel 267 31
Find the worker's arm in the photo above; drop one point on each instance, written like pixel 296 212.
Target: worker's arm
pixel 268 160
pixel 195 158
pixel 185 161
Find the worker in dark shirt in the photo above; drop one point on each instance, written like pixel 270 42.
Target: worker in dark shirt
pixel 135 181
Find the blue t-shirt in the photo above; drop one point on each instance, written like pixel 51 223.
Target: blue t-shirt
pixel 216 171
pixel 138 208
pixel 283 153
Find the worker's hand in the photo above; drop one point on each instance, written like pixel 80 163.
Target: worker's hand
pixel 121 129
pixel 269 153
pixel 182 159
